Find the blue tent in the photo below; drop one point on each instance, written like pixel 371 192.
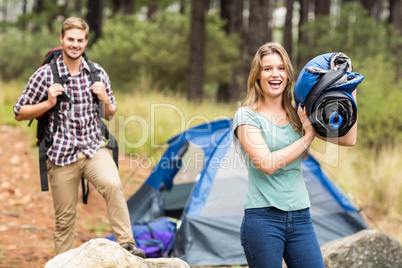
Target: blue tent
pixel 201 180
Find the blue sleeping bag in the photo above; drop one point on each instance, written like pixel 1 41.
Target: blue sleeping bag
pixel 324 87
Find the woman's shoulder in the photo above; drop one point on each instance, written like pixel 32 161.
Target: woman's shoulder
pixel 245 115
pixel 245 111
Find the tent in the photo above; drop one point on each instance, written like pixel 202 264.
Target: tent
pixel 201 180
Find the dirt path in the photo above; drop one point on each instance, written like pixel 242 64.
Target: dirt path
pixel 26 213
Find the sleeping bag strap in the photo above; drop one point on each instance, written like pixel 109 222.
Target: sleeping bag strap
pixel 328 79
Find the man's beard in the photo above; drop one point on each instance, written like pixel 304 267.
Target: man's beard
pixel 72 58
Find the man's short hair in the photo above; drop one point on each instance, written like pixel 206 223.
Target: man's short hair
pixel 75 23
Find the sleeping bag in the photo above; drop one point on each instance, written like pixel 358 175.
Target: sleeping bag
pixel 324 87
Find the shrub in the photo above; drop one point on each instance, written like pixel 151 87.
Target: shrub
pixel 379 100
pixel 21 53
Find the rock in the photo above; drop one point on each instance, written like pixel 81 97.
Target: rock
pixel 102 252
pixel 367 248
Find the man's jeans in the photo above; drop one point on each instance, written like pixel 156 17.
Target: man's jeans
pixel 268 234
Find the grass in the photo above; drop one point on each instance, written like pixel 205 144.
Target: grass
pixel 370 177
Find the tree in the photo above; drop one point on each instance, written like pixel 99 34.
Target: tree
pixel 232 13
pixel 258 31
pixel 95 17
pixel 197 42
pixel 303 39
pixel 321 7
pixel 124 7
pixel 152 8
pixel 39 6
pixel 395 8
pixel 373 7
pixel 78 6
pixel 287 32
pixel 24 12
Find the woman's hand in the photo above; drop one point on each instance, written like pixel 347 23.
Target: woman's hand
pixel 309 132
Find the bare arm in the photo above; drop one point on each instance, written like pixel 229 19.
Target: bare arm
pixel 109 109
pixel 259 152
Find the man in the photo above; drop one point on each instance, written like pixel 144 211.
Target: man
pixel 77 148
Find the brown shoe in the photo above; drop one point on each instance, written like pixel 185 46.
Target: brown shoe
pixel 135 251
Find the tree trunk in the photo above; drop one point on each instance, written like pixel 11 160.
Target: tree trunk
pixel 395 11
pixel 321 7
pixel 78 6
pixel 287 33
pixel 95 18
pixel 183 6
pixel 152 8
pixel 395 8
pixel 258 31
pixel 124 7
pixel 232 12
pixel 303 39
pixel 373 8
pixel 197 41
pixel 4 13
pixel 223 94
pixel 24 12
pixel 39 6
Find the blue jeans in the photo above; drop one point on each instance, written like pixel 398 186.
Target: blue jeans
pixel 270 234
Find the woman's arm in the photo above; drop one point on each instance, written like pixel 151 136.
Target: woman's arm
pixel 269 162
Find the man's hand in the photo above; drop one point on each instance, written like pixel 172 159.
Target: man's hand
pixel 109 109
pixel 99 89
pixel 53 92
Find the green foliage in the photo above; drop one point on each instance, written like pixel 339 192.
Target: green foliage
pixel 158 50
pixel 21 53
pixel 379 100
pixel 45 19
pixel 351 31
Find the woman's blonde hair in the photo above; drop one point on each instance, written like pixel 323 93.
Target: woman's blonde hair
pixel 255 95
pixel 75 23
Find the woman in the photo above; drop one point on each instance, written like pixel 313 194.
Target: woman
pixel 274 137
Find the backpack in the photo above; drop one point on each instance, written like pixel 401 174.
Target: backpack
pixel 43 133
pixel 155 238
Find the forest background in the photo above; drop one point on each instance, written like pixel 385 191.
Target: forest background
pixel 175 64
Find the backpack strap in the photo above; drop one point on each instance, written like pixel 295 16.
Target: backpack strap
pixel 42 166
pixel 112 143
pixel 46 142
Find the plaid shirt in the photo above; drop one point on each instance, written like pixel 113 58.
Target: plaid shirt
pixel 79 128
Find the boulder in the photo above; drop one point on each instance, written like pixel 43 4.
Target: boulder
pixel 102 252
pixel 367 248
